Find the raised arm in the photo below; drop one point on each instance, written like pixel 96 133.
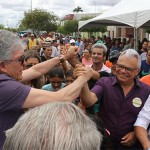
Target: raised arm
pixel 88 98
pixel 42 68
pixel 38 97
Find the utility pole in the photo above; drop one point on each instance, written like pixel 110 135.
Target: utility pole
pixel 31 5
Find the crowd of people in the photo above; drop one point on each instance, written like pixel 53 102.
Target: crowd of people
pixel 64 93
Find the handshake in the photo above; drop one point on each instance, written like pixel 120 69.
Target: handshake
pixel 81 70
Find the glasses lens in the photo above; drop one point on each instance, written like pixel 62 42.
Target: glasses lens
pixel 29 65
pixel 22 59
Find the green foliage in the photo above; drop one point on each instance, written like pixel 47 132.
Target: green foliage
pixel 61 29
pixel 71 26
pixel 2 26
pixel 78 9
pixel 9 29
pixel 39 20
pixel 101 29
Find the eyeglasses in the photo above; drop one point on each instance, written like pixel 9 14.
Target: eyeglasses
pixel 21 59
pixel 29 66
pixel 128 69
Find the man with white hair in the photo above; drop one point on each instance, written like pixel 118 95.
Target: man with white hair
pixel 122 97
pixel 54 126
pixel 15 96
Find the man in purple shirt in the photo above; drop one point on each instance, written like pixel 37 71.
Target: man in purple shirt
pixel 122 96
pixel 14 96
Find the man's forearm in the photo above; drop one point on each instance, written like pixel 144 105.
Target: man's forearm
pixel 88 98
pixel 142 136
pixel 39 69
pixel 72 91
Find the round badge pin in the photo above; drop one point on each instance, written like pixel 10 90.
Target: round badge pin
pixel 137 102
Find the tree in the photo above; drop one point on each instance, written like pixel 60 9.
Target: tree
pixel 71 26
pixel 2 26
pixel 61 30
pixel 39 20
pixel 78 9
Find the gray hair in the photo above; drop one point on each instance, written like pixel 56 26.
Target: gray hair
pixel 100 45
pixel 132 53
pixel 54 126
pixel 9 42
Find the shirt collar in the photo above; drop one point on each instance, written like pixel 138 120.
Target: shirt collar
pixel 136 81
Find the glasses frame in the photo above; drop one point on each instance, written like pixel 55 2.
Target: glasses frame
pixel 21 59
pixel 128 69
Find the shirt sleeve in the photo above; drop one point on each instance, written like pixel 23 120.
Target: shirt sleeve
pixel 13 95
pixel 98 88
pixel 143 119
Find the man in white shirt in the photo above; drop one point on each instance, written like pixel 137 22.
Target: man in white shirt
pixel 141 125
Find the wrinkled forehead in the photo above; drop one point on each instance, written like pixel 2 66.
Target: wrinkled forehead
pixel 128 61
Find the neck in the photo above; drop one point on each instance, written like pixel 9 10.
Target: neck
pixel 97 67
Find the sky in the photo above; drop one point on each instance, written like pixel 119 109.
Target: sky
pixel 12 11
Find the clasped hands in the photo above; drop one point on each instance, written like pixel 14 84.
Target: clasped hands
pixel 81 70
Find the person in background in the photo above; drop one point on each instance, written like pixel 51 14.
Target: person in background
pixel 116 46
pixel 55 50
pixel 146 79
pixel 32 58
pixel 144 47
pixel 56 78
pixel 47 52
pixel 113 58
pixel 54 126
pixel 69 77
pixel 80 44
pixel 32 41
pixel 145 65
pixel 87 59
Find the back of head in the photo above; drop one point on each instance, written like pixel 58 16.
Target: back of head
pixel 56 71
pixel 9 42
pixel 54 126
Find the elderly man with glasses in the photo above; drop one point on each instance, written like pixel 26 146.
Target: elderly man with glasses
pixel 122 97
pixel 15 96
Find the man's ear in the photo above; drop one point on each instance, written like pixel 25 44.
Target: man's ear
pixel 2 67
pixel 138 71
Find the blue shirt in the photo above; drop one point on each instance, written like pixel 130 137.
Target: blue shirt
pixel 48 87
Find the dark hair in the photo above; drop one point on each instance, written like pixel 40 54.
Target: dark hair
pixel 56 72
pixel 32 54
pixel 69 73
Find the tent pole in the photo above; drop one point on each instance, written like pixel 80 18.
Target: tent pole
pixel 135 38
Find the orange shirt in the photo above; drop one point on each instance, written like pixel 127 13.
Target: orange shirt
pixel 108 64
pixel 146 79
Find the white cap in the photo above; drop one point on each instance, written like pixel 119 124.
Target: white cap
pixel 72 41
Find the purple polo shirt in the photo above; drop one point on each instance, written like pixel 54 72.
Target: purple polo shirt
pixel 12 96
pixel 117 111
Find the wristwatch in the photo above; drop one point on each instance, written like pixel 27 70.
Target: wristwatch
pixel 61 58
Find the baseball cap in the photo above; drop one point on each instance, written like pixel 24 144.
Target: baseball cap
pixel 114 55
pixel 72 41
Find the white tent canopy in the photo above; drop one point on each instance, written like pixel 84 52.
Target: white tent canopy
pixel 134 13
